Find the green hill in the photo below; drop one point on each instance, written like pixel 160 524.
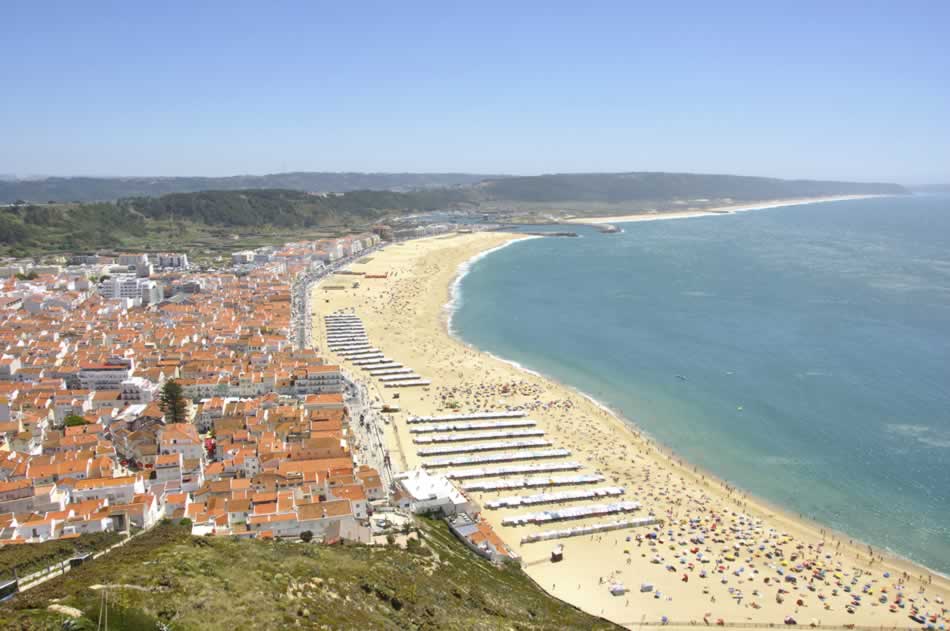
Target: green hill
pixel 279 207
pixel 188 221
pixel 168 577
pixel 93 189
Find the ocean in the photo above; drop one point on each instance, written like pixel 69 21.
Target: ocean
pixel 800 353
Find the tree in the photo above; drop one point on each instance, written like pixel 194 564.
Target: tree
pixel 72 420
pixel 173 403
pixel 306 536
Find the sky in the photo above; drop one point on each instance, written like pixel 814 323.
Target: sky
pixel 834 90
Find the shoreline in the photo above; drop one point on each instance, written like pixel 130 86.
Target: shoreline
pixel 425 284
pixel 455 287
pixel 669 451
pixel 731 209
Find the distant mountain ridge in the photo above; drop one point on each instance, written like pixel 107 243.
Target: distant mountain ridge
pixel 93 189
pixel 39 227
pixel 579 187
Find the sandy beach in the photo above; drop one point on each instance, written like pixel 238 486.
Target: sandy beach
pixel 720 555
pixel 719 210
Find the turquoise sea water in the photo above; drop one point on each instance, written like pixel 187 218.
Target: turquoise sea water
pixel 827 324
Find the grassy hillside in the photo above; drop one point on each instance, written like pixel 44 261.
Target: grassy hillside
pixel 166 576
pixel 624 187
pixel 279 207
pixel 26 559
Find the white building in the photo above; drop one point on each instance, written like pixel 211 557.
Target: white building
pixel 133 260
pixel 116 490
pixel 242 258
pixel 131 287
pixel 430 493
pixel 152 292
pixel 173 260
pixel 108 376
pixel 138 390
pixel 317 380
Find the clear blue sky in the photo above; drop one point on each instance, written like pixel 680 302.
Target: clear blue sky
pixel 828 89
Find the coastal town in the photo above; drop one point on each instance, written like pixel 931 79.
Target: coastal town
pixel 264 445
pixel 312 392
